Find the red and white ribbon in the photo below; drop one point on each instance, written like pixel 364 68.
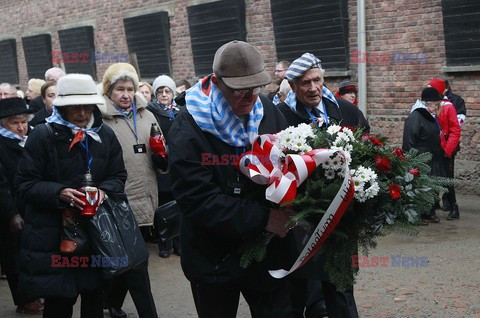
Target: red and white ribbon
pixel 263 166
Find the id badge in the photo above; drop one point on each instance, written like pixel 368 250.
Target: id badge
pixel 140 148
pixel 235 188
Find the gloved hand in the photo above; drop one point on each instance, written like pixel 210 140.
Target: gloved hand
pixel 16 223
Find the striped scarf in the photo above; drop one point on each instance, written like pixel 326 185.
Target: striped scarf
pixel 56 118
pixel 291 99
pixel 10 135
pixel 213 114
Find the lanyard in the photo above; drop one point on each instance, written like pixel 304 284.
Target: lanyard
pixel 134 130
pixel 89 154
pixel 438 125
pixel 314 119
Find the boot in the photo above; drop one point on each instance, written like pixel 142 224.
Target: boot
pixel 453 214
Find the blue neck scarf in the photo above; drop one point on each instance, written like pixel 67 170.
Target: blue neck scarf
pixel 213 114
pixel 56 118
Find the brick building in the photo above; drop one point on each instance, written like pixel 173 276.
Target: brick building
pixel 408 43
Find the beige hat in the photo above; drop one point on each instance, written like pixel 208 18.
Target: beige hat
pixel 35 85
pixel 77 89
pixel 240 65
pixel 117 71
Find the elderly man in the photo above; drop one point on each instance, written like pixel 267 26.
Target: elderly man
pixel 7 91
pixel 311 102
pixel 221 208
pixel 54 74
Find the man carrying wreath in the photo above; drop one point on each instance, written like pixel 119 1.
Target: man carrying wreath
pixel 221 208
pixel 312 103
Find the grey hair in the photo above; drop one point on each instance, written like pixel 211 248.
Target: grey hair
pixel 4 120
pixel 52 70
pixel 11 87
pixel 121 78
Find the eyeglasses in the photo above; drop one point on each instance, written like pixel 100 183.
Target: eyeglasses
pixel 165 91
pixel 248 91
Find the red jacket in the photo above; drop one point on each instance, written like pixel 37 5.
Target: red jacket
pixel 450 136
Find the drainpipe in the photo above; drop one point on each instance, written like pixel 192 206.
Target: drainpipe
pixel 362 67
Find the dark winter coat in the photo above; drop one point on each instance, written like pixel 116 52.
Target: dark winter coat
pixel 39 188
pixel 10 152
pixel 422 132
pixel 37 104
pixel 346 114
pixel 39 117
pixel 214 221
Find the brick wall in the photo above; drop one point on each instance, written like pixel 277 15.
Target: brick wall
pixel 392 25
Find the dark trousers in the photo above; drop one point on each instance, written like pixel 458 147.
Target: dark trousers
pixel 91 306
pixel 136 281
pixel 221 301
pixel 306 292
pixel 450 169
pixel 9 250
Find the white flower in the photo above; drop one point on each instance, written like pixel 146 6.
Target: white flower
pixel 295 138
pixel 330 174
pixel 366 186
pixel 333 129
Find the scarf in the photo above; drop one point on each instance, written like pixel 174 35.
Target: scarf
pixel 79 133
pixel 291 99
pixel 10 135
pixel 213 114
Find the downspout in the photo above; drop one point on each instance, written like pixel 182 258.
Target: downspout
pixel 362 48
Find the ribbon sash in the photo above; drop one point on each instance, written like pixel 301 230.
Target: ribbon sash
pixel 262 165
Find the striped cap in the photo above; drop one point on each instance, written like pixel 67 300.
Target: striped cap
pixel 301 65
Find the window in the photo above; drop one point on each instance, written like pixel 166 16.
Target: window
pixel 318 27
pixel 461 21
pixel 78 51
pixel 38 54
pixel 212 25
pixel 148 38
pixel 8 62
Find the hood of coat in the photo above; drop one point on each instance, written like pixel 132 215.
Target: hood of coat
pixel 109 111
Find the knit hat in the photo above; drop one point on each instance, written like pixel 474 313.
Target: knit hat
pixel 77 89
pixel 430 94
pixel 13 106
pixel 347 87
pixel 438 84
pixel 116 71
pixel 240 65
pixel 164 81
pixel 35 85
pixel 301 65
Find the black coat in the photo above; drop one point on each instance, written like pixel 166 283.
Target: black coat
pixel 214 221
pixel 10 152
pixel 347 114
pixel 36 104
pixel 39 117
pixel 38 187
pixel 421 131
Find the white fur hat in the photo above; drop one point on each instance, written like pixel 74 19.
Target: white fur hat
pixel 164 81
pixel 116 71
pixel 77 89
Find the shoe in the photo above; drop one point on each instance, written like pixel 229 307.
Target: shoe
pixel 117 313
pixel 453 214
pixel 316 310
pixel 33 308
pixel 164 254
pixel 432 218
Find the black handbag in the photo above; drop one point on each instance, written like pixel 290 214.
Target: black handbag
pixel 75 239
pixel 167 221
pixel 115 236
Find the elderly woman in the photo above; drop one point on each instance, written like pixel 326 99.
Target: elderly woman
pixel 422 132
pixel 146 90
pixel 129 118
pixel 165 111
pixel 48 93
pixel 51 169
pixel 14 117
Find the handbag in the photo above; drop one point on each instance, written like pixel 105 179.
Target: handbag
pixel 167 221
pixel 116 237
pixel 75 240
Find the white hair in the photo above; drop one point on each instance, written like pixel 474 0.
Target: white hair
pixel 54 71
